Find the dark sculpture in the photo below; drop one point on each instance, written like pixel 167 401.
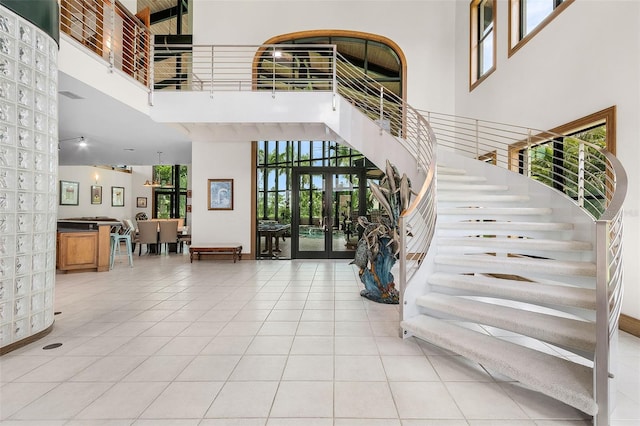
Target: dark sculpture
pixel 378 248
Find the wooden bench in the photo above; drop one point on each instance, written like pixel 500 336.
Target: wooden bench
pixel 234 249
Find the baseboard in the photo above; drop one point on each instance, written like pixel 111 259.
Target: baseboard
pixel 629 324
pixel 30 339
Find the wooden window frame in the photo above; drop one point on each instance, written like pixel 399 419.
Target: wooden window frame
pixel 515 42
pixel 606 116
pixel 474 44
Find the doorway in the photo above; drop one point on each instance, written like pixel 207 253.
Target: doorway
pixel 326 203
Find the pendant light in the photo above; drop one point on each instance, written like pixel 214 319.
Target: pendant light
pixel 155 183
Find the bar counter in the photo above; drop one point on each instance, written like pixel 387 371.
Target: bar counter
pixel 84 244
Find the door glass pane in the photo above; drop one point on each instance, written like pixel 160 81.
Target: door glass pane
pixel 344 212
pixel 312 213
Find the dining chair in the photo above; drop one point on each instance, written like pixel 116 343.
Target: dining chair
pixel 133 232
pixel 123 234
pixel 168 233
pixel 147 234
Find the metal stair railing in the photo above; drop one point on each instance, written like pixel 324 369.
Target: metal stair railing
pixel 587 174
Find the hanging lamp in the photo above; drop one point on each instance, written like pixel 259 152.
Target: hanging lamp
pixel 155 183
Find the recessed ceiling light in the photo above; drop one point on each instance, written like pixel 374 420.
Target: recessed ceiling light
pixel 129 149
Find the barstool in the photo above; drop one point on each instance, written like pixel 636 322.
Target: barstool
pixel 116 239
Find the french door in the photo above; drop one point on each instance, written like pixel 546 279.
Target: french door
pixel 326 204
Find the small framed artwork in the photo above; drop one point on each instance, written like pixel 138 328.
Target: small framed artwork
pixel 220 194
pixel 188 193
pixel 69 193
pixel 117 196
pixel 188 208
pixel 141 202
pixel 96 194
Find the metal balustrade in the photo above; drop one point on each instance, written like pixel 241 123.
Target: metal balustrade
pixel 110 31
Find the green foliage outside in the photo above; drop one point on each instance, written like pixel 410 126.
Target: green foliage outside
pixel 564 175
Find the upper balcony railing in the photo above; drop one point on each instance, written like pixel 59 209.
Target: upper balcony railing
pixel 109 30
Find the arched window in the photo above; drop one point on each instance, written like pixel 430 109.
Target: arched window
pixel 377 57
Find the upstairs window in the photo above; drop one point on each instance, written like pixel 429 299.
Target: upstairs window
pixel 528 17
pixel 483 40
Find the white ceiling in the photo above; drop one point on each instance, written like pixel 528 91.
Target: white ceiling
pixel 116 134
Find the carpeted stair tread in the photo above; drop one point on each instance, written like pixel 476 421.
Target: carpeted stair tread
pixel 498 211
pixel 558 378
pixel 516 265
pixel 537 244
pixel 526 291
pixel 453 186
pixel 450 170
pixel 460 178
pixel 557 330
pixel 506 226
pixel 476 197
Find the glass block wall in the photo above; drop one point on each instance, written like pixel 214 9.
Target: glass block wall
pixel 28 177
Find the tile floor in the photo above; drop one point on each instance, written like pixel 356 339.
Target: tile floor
pixel 257 343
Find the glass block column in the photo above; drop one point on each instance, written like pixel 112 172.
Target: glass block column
pixel 28 177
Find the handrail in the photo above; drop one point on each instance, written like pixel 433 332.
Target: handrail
pixel 581 172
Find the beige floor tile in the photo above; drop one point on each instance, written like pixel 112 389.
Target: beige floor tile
pixel 312 345
pixel 209 368
pixel 424 400
pixel 243 399
pixel 303 399
pixel 309 367
pixel 364 400
pixel 259 367
pixel 62 402
pixel 408 368
pixel 158 369
pixel 480 400
pixel 123 401
pixel 183 400
pixel 359 368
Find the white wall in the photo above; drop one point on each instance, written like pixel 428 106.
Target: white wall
pixel 221 160
pixel 139 175
pixel 86 176
pixel 585 60
pixel 424 30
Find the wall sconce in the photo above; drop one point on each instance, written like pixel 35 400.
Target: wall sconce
pixel 96 176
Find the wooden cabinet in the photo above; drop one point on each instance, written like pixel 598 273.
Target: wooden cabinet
pixel 77 250
pixel 83 249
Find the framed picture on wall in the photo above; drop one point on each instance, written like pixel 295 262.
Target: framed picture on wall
pixel 117 196
pixel 69 193
pixel 220 194
pixel 141 202
pixel 96 194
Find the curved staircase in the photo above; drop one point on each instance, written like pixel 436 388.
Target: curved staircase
pixel 511 273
